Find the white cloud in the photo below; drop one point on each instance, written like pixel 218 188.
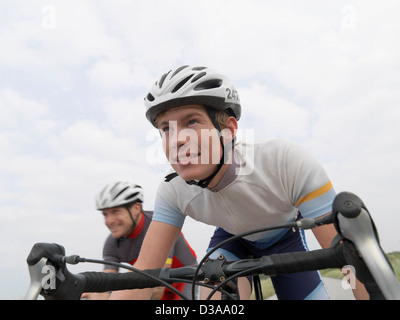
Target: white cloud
pixel 86 137
pixel 111 75
pixel 127 116
pixel 44 126
pixel 14 108
pixel 272 116
pixel 115 76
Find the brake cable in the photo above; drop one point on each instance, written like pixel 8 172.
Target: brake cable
pixel 206 257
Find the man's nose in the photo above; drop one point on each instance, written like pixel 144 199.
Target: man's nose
pixel 187 141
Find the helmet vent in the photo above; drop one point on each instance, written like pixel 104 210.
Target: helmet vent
pixel 150 97
pixel 119 193
pixel 199 76
pixel 178 70
pixel 209 84
pixel 163 79
pixel 181 84
pixel 199 68
pixel 132 196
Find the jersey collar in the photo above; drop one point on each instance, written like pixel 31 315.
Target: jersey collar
pixel 229 176
pixel 138 228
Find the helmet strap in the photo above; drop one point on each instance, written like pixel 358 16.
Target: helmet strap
pixel 131 216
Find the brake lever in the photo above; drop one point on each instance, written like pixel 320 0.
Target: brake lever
pixel 41 256
pixel 354 223
pixel 49 275
pixel 35 273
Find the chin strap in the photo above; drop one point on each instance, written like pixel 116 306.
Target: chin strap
pixel 225 152
pixel 133 225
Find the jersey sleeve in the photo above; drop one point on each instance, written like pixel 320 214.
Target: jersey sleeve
pixel 165 207
pixel 310 188
pixel 109 251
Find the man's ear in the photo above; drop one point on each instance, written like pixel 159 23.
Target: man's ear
pixel 137 206
pixel 229 132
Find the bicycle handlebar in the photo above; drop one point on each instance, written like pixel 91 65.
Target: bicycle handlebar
pixel 357 244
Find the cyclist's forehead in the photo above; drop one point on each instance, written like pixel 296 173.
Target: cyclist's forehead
pixel 179 113
pixel 114 210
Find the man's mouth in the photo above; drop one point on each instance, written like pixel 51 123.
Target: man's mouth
pixel 114 228
pixel 186 159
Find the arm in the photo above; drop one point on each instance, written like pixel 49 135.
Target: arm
pixel 324 235
pixel 158 292
pixel 312 193
pixel 156 246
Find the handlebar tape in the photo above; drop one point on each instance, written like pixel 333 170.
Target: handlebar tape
pixel 290 262
pixel 336 257
pixel 102 282
pixel 293 262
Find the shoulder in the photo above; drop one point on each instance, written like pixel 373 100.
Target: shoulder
pixel 276 145
pixel 173 198
pixel 110 239
pixel 268 146
pixel 277 158
pixel 267 153
pixel 111 243
pixel 285 152
pixel 174 188
pixel 148 214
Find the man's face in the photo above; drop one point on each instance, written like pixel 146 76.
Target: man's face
pixel 119 222
pixel 190 141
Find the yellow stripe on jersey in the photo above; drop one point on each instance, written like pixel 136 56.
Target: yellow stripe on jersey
pixel 315 194
pixel 169 261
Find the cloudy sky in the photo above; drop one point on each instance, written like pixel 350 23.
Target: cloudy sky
pixel 73 75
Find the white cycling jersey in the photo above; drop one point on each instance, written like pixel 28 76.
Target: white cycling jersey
pixel 267 183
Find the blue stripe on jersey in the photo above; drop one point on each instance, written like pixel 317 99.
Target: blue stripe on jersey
pixel 165 212
pixel 318 206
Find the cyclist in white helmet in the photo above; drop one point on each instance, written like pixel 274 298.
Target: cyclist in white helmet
pixel 121 204
pixel 237 187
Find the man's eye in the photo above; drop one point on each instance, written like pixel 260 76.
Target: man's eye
pixel 164 129
pixel 192 122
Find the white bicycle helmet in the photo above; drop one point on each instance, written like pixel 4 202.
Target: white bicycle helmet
pixel 118 194
pixel 192 85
